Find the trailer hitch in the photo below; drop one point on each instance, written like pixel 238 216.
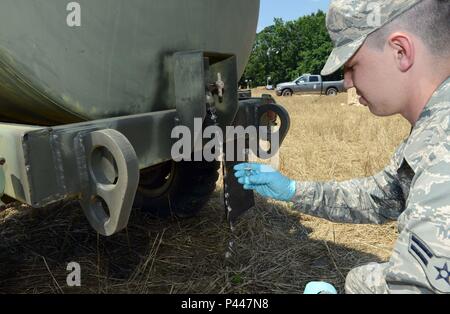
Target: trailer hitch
pixel 113 176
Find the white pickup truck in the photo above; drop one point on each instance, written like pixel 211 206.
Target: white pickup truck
pixel 310 84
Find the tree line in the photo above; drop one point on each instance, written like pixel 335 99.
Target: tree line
pixel 286 50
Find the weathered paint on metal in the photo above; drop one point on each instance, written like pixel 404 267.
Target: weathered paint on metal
pixel 113 64
pixel 16 168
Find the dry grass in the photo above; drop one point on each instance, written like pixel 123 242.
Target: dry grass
pixel 277 250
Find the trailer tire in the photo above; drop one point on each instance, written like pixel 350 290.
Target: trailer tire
pixel 179 189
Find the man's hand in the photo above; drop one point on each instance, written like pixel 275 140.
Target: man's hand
pixel 265 181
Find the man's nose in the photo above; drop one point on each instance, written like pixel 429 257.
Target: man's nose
pixel 348 80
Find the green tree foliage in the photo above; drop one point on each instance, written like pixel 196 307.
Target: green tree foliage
pixel 286 50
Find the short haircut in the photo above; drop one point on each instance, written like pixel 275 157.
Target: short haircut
pixel 429 20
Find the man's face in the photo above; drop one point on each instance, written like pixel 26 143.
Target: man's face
pixel 373 73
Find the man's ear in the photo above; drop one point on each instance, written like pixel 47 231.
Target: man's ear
pixel 403 50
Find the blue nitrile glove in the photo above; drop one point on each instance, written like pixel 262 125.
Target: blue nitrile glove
pixel 319 287
pixel 265 181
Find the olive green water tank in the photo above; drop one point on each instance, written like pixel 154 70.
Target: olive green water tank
pixel 112 64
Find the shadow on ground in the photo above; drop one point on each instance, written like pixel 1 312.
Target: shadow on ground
pixel 273 253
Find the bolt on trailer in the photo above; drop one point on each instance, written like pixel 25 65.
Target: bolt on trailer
pixel 88 112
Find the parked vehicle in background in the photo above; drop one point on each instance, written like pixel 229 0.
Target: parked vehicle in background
pixel 310 84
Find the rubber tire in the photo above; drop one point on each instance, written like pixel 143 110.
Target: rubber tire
pixel 287 93
pixel 332 91
pixel 190 189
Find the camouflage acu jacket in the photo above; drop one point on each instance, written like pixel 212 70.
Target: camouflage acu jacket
pixel 415 189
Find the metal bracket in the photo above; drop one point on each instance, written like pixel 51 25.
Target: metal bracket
pixel 189 89
pixel 113 172
pixel 285 124
pixel 192 75
pixel 237 200
pixel 252 110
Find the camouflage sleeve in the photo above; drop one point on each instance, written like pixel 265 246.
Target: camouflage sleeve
pixel 375 199
pixel 421 258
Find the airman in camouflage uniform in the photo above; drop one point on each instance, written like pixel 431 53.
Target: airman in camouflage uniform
pixel 414 188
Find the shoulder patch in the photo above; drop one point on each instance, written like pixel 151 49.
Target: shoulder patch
pixel 437 269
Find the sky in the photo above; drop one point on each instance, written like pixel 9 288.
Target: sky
pixel 288 10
